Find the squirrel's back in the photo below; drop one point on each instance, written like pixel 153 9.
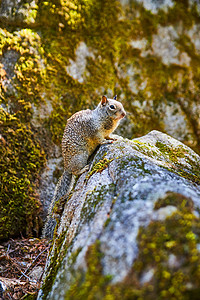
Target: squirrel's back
pixel 84 131
pixel 79 136
pixel 87 129
pixel 78 128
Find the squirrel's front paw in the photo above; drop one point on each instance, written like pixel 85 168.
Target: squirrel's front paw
pixel 110 141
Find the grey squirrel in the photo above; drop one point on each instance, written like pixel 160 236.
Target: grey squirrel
pixel 84 131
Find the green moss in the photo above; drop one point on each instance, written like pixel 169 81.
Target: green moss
pixel 194 178
pixel 58 207
pixel 54 264
pixel 30 74
pixel 57 122
pixel 191 173
pixel 92 284
pixel 22 157
pixel 188 169
pixel 76 23
pixel 94 200
pixel 176 199
pixel 21 161
pixel 178 235
pixel 168 83
pixel 173 154
pixel 40 73
pixel 137 165
pixel 100 166
pixel 44 70
pixel 144 148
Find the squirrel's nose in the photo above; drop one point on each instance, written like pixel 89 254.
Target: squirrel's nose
pixel 123 114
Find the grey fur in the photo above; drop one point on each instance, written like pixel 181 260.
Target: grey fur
pixel 84 131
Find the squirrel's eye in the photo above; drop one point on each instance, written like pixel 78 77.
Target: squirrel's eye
pixel 112 107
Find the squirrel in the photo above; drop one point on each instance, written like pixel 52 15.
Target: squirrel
pixel 84 131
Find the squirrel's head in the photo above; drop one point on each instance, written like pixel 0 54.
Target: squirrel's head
pixel 112 108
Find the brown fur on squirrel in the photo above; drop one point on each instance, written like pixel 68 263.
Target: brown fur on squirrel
pixel 84 131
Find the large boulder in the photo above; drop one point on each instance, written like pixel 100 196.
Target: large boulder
pixel 130 227
pixel 58 57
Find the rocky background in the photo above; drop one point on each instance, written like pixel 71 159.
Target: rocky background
pixel 57 57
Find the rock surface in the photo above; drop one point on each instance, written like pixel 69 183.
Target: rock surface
pixel 57 58
pixel 130 223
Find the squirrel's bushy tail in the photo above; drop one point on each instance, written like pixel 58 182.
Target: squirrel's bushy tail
pixel 63 187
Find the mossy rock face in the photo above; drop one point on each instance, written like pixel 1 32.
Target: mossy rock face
pixel 147 53
pixel 130 229
pixel 21 160
pixel 57 58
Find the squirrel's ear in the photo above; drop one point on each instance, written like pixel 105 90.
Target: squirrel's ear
pixel 104 100
pixel 115 98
